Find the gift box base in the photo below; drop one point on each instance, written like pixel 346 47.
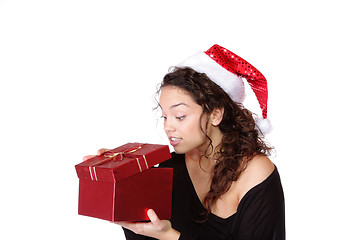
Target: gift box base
pixel 128 199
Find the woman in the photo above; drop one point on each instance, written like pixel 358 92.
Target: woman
pixel 225 186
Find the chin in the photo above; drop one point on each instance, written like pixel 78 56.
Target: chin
pixel 186 149
pixel 182 149
pixel 179 151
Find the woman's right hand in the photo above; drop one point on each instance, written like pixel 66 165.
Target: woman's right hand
pixel 99 152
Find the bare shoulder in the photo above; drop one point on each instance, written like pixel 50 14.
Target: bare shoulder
pixel 257 170
pixel 260 167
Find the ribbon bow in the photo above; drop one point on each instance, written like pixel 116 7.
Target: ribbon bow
pixel 112 155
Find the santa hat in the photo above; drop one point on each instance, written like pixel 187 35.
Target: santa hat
pixel 228 70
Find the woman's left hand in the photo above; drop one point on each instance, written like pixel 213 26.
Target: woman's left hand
pixel 156 228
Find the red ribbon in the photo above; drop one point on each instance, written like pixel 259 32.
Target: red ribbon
pixel 113 155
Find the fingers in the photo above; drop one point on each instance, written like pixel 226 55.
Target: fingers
pixel 127 225
pixel 156 228
pixel 158 224
pixel 153 217
pixel 102 150
pixel 99 152
pixel 151 214
pixel 88 157
pixel 137 228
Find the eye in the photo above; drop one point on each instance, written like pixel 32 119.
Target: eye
pixel 163 117
pixel 180 117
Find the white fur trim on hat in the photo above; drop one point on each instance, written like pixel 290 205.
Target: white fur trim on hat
pixel 264 125
pixel 228 81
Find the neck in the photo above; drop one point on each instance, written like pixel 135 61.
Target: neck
pixel 207 154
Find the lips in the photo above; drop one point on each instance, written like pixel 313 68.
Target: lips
pixel 175 141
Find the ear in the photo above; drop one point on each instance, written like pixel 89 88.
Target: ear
pixel 217 116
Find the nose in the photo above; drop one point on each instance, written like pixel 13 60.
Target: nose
pixel 168 126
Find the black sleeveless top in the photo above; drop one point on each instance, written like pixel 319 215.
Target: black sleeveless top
pixel 260 214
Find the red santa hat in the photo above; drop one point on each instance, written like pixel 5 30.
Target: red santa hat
pixel 228 70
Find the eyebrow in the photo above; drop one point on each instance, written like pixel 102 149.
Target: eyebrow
pixel 178 104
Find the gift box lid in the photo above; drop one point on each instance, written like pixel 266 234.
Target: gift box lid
pixel 122 162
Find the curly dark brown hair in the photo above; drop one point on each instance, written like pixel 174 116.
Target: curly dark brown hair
pixel 241 138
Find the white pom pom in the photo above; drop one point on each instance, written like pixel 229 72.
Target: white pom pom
pixel 264 125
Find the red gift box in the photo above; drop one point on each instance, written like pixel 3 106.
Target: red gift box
pixel 122 184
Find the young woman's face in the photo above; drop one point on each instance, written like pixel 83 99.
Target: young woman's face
pixel 182 120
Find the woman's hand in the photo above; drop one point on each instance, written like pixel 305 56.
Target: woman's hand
pixel 156 228
pixel 99 152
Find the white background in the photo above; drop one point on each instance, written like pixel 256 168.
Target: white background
pixel 79 75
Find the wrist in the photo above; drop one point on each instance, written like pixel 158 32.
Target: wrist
pixel 171 234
